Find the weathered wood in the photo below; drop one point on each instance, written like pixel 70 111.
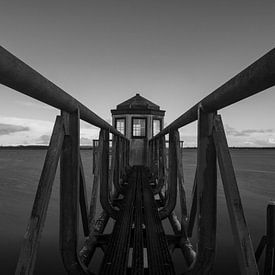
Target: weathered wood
pixel 243 244
pixel 104 175
pixel 161 163
pixel 83 199
pixel 172 179
pixel 95 189
pixel 113 163
pixel 207 195
pixel 117 175
pixel 270 239
pixel 28 253
pixel 96 229
pixel 69 196
pixel 183 242
pixel 182 195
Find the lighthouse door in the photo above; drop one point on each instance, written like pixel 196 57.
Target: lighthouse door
pixel 138 141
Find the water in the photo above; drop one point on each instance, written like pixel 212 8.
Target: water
pixel 20 171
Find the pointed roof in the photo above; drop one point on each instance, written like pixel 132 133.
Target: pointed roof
pixel 138 104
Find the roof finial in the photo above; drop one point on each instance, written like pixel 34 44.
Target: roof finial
pixel 137 94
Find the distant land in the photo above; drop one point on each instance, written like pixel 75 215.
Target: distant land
pixel 85 147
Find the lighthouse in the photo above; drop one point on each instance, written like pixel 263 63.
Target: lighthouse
pixel 139 120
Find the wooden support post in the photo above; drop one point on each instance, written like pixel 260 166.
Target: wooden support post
pixel 184 214
pixel 161 163
pixel 193 211
pixel 83 199
pixel 113 164
pixel 69 197
pixel 96 181
pixel 172 179
pixel 117 185
pixel 207 195
pixel 28 253
pixel 270 239
pixel 104 187
pixel 243 244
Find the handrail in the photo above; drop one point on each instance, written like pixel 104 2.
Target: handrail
pixel 255 78
pixel 17 75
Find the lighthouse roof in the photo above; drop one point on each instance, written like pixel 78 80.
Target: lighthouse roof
pixel 138 104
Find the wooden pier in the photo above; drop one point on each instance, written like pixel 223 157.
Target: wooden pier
pixel 139 197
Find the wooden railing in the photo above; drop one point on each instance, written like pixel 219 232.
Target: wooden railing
pixel 64 146
pixel 212 146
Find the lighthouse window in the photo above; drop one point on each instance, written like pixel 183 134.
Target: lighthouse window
pixel 139 127
pixel 156 126
pixel 120 125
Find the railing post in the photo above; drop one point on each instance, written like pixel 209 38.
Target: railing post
pixel 207 195
pixel 172 179
pixel 104 176
pixel 69 196
pixel 184 214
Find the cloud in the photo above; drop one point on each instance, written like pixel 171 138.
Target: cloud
pixel 7 129
pixel 245 133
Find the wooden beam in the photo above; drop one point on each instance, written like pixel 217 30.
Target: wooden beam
pixel 83 201
pixel 243 244
pixel 28 253
pixel 69 197
pixel 207 195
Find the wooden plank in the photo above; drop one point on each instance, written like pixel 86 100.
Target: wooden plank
pixel 207 195
pixel 172 179
pixel 28 253
pixel 83 201
pixel 69 196
pixel 243 244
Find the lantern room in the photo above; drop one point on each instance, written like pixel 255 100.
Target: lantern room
pixel 139 120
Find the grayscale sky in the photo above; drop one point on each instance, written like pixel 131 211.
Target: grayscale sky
pixel 172 52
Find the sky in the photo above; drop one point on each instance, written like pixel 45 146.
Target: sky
pixel 173 53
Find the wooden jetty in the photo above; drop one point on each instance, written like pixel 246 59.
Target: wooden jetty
pixel 138 180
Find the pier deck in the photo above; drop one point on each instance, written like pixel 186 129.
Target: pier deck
pixel 138 244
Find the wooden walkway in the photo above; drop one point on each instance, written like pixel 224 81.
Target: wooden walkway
pixel 138 244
